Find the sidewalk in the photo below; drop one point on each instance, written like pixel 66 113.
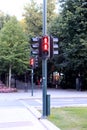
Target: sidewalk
pixel 22 117
pixel 26 117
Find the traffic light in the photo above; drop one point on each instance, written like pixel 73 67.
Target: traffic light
pixel 36 62
pixel 40 47
pixel 53 46
pixel 44 47
pixel 32 62
pixel 34 46
pixel 45 44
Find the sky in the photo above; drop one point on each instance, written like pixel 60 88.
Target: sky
pixel 13 7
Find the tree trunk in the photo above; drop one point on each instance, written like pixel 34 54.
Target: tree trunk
pixel 9 76
pixel 7 80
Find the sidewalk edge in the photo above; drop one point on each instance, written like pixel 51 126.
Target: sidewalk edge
pixel 46 123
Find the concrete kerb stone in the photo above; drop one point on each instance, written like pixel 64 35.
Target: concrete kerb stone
pixel 43 121
pixel 47 124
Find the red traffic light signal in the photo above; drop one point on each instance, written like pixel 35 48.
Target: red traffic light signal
pixel 32 62
pixel 45 43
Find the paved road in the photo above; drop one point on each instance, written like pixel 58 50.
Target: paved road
pixel 58 102
pixel 59 98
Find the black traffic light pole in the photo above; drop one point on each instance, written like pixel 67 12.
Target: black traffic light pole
pixel 32 82
pixel 44 60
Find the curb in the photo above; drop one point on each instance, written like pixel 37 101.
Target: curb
pixel 47 124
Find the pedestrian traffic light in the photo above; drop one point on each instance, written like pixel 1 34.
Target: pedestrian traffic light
pixel 32 62
pixel 45 43
pixel 53 46
pixel 34 46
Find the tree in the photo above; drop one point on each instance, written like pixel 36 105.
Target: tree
pixel 33 16
pixel 3 19
pixel 74 17
pixel 13 47
pixel 71 28
pixel 34 19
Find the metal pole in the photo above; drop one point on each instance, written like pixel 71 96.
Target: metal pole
pixel 44 73
pixel 44 17
pixel 44 61
pixel 32 82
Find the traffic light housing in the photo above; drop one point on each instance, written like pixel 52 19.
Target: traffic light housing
pixel 45 46
pixel 53 46
pixel 36 61
pixel 34 46
pixel 32 62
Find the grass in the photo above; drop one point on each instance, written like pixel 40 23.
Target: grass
pixel 69 118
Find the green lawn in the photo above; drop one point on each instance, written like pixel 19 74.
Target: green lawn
pixel 69 118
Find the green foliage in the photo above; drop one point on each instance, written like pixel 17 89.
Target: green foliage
pixel 33 17
pixel 71 28
pixel 13 46
pixel 3 19
pixel 74 33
